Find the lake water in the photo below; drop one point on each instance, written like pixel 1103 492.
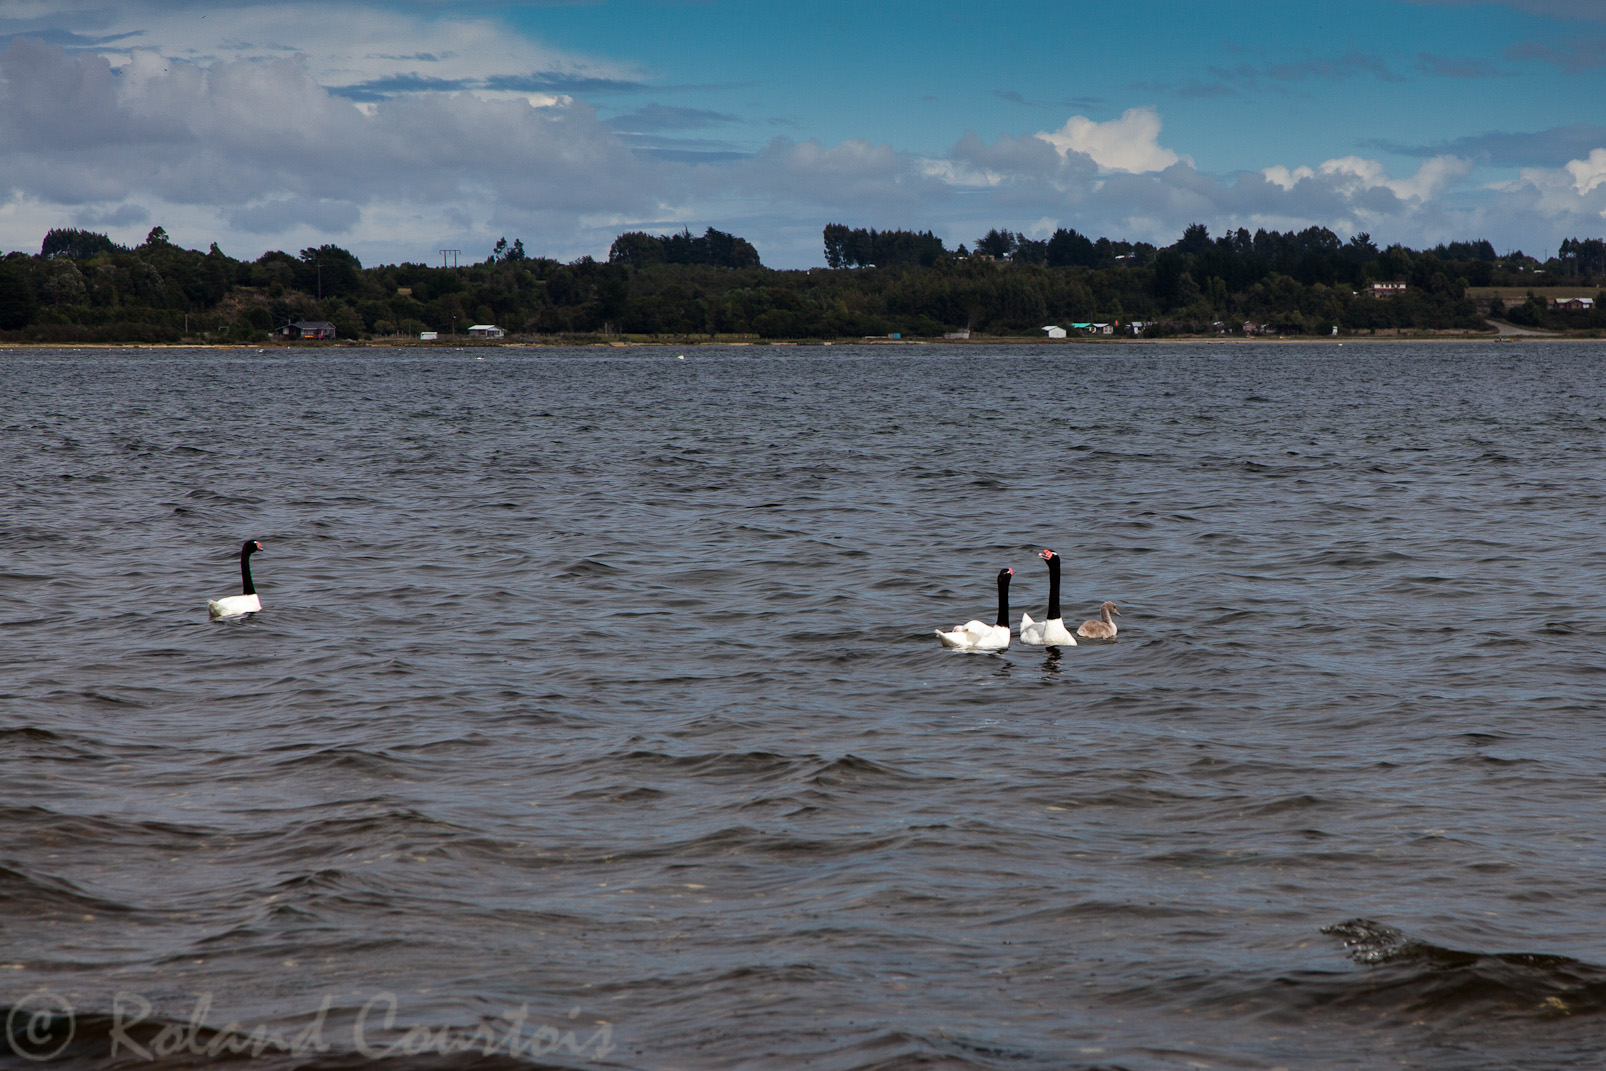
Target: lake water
pixel 594 717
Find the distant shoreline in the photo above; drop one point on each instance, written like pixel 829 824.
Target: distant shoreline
pixel 444 345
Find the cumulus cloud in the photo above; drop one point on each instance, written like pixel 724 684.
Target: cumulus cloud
pixel 1016 161
pixel 365 53
pixel 1590 173
pixel 1130 143
pixel 1434 203
pixel 1353 176
pixel 1567 202
pixel 267 146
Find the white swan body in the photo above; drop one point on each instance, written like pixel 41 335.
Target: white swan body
pixel 247 601
pixel 233 604
pixel 1050 633
pixel 978 635
pixel 1102 629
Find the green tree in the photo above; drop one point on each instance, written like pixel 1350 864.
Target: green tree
pixel 1067 248
pixel 996 243
pixel 17 302
pixel 76 244
pixel 329 271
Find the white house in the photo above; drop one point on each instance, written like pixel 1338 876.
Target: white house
pixel 1055 332
pixel 485 331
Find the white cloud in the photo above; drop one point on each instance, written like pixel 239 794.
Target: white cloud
pixel 266 147
pixel 1354 175
pixel 1571 197
pixel 343 45
pixel 1588 173
pixel 1130 143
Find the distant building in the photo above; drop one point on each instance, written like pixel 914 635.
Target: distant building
pixel 1385 290
pixel 308 329
pixel 1577 304
pixel 428 336
pixel 1055 332
pixel 961 335
pixel 485 331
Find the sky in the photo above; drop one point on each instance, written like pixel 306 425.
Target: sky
pixel 397 129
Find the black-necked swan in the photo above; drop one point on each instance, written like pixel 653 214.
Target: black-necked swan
pixel 246 602
pixel 1050 633
pixel 978 636
pixel 1100 630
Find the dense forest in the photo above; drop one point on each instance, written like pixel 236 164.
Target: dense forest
pixel 83 287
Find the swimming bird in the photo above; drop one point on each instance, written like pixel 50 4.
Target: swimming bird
pixel 1050 633
pixel 1100 630
pixel 246 602
pixel 979 636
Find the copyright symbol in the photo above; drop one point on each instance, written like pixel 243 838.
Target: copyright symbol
pixel 40 1025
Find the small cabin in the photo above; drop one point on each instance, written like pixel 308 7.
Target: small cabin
pixel 1055 332
pixel 308 329
pixel 485 331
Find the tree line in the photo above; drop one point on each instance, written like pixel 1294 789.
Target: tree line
pixel 83 287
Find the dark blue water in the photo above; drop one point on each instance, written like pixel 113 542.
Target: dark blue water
pixel 594 716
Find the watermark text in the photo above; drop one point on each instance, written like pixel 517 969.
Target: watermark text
pixel 43 1025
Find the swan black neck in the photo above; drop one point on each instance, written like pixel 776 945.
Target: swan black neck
pixel 246 587
pixel 1003 599
pixel 1054 587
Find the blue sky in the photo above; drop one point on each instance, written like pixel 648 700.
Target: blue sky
pixel 395 129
